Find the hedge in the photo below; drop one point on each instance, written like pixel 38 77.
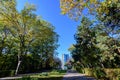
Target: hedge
pixel 102 73
pixel 4 73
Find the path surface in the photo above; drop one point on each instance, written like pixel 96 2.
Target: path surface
pixel 73 75
pixel 70 75
pixel 10 78
pixel 17 77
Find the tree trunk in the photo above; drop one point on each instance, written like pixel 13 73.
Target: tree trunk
pixel 20 53
pixel 18 65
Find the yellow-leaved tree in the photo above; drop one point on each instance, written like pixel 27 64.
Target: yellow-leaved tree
pixel 74 8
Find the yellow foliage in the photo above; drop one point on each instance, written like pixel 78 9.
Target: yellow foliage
pixel 93 5
pixel 109 2
pixel 71 4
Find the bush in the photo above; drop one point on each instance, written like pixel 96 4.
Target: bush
pixel 99 73
pixel 59 71
pixel 45 74
pixel 12 72
pixel 25 78
pixel 88 71
pixel 112 74
pixel 80 70
pixel 5 73
pixel 62 71
pixel 102 73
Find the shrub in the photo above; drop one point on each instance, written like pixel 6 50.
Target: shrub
pixel 112 74
pixel 5 73
pixel 103 73
pixel 80 70
pixel 99 73
pixel 62 71
pixel 45 74
pixel 88 71
pixel 25 78
pixel 12 72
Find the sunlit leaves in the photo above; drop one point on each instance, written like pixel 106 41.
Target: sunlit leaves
pixel 8 11
pixel 76 7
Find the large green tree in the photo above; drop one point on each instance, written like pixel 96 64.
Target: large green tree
pixel 26 36
pixel 94 46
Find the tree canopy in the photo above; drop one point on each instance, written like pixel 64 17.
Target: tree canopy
pixel 106 10
pixel 94 46
pixel 27 41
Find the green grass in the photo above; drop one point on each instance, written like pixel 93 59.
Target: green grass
pixel 53 75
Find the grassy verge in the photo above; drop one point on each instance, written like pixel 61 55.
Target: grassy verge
pixel 53 75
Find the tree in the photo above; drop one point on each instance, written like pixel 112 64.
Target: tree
pixel 106 11
pixel 45 42
pixel 57 63
pixel 85 44
pixel 76 7
pixel 93 43
pixel 28 32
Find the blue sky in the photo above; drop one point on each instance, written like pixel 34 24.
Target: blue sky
pixel 64 26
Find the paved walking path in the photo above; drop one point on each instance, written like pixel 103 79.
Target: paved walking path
pixel 70 75
pixel 10 78
pixel 73 75
pixel 17 77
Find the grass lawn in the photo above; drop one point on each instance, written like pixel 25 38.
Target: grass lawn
pixel 53 75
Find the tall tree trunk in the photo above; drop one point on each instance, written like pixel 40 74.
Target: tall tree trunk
pixel 20 53
pixel 18 65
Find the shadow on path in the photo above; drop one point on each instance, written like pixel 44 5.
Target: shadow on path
pixel 73 75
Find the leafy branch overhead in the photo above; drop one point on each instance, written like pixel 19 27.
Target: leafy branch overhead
pixel 93 5
pixel 74 8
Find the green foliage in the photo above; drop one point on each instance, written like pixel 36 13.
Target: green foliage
pixel 95 47
pixel 75 8
pixel 25 38
pixel 68 65
pixel 44 73
pixel 27 78
pixel 85 44
pixel 58 72
pixel 103 73
pixel 99 73
pixel 4 73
